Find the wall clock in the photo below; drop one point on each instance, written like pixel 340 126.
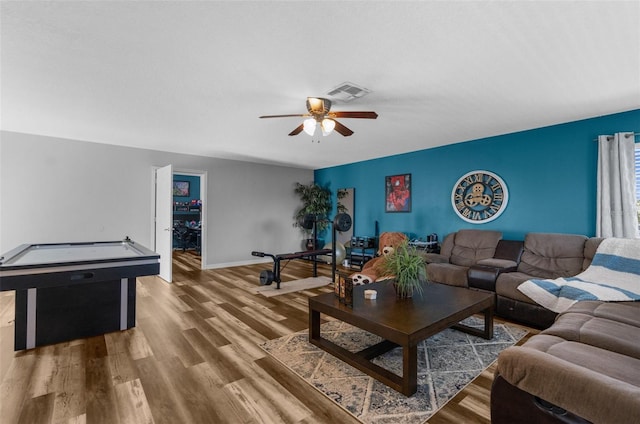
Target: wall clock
pixel 479 197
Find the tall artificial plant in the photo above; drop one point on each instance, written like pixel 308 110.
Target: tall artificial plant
pixel 316 201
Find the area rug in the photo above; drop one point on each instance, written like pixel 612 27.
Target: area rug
pixel 447 362
pixel 293 286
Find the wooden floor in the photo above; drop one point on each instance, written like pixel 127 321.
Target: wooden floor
pixel 192 358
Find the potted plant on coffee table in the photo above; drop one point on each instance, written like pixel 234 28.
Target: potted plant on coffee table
pixel 408 269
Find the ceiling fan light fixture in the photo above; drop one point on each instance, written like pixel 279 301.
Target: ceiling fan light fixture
pixel 309 126
pixel 318 105
pixel 327 126
pixel 319 113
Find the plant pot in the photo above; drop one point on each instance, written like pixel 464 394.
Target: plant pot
pixel 308 244
pixel 403 293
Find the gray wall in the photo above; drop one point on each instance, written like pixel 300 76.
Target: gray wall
pixel 57 190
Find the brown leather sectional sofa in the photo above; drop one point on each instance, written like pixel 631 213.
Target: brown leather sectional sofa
pixel 584 367
pixel 481 259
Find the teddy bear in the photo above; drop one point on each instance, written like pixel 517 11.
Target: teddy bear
pixel 373 271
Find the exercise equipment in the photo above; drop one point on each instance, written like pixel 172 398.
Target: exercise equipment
pixel 267 277
pixel 341 222
pixel 341 252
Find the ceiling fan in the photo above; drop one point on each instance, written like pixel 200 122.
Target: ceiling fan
pixel 319 113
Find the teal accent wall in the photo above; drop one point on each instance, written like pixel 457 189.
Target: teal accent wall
pixel 550 173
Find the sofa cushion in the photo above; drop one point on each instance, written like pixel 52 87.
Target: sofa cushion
pixel 472 245
pixel 604 333
pixel 626 312
pixel 599 385
pixel 447 245
pixel 497 263
pixel 433 257
pixel 453 275
pixel 552 255
pixel 507 285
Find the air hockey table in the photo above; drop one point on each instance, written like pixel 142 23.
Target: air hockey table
pixel 66 291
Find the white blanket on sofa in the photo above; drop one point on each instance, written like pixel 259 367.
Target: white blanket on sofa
pixel 614 275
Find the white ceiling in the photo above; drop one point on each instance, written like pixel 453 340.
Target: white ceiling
pixel 193 77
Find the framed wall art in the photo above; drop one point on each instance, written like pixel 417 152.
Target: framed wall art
pixel 181 188
pixel 397 192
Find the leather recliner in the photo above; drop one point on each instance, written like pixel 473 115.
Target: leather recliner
pixel 460 251
pixel 545 256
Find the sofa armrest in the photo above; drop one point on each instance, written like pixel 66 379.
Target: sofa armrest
pixel 482 277
pixel 559 376
pixel 510 405
pixel 484 274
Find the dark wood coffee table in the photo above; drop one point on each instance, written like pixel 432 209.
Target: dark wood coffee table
pixel 400 322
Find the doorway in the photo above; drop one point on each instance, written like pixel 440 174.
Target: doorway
pixel 187 214
pixel 186 223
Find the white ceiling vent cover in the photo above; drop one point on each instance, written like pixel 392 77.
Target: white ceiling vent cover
pixel 347 91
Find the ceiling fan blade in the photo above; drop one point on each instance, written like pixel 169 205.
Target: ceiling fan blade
pixel 298 130
pixel 342 129
pixel 284 116
pixel 362 114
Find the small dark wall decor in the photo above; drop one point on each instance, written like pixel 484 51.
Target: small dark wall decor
pixel 181 188
pixel 397 190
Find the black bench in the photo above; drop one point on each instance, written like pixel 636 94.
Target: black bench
pixel 267 277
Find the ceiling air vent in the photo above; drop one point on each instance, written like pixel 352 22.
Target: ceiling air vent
pixel 347 91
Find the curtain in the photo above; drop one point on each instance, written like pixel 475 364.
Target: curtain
pixel 616 205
